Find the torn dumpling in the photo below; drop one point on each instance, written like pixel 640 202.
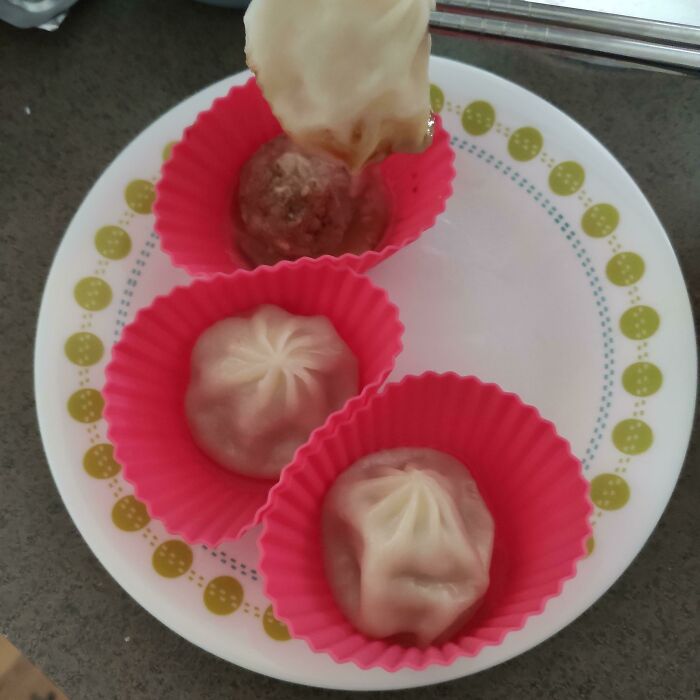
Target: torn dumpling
pixel 346 77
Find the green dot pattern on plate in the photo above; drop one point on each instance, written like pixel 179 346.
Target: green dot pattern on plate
pixel 632 436
pixel 129 514
pixel 172 559
pixel 478 118
pixel 140 195
pixel 525 143
pixel 86 405
pixel 84 349
pixel 642 379
pixel 639 322
pixel 609 491
pixel 276 629
pixel 624 269
pixel 223 595
pixel 600 220
pixel 567 178
pixel 590 546
pixel 113 242
pixel 93 293
pixel 437 99
pixel 99 462
pixel 168 150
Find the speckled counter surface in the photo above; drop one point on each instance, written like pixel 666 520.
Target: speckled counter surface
pixel 112 68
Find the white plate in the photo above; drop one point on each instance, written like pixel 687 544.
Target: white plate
pixel 509 286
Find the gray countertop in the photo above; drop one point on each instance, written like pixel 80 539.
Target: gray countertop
pixel 111 69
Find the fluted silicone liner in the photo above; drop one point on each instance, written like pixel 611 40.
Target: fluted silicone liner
pixel 149 373
pixel 526 473
pixel 200 181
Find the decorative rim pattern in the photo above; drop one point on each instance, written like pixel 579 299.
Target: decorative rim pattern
pixel 625 269
pixel 171 558
pixel 586 263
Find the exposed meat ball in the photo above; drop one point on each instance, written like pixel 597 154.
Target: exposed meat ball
pixel 293 204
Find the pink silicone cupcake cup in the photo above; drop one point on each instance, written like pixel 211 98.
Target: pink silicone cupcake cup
pixel 150 367
pixel 200 180
pixel 526 473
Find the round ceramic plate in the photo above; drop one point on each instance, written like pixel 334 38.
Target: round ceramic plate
pixel 549 273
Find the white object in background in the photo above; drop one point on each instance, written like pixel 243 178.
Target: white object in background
pixel 45 14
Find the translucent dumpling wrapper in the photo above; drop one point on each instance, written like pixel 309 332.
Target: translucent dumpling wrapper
pixel 408 542
pixel 349 77
pixel 261 383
